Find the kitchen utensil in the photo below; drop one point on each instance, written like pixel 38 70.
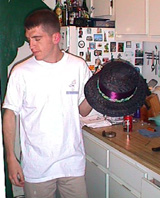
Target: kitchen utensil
pixel 156 149
pixel 158 63
pixel 148 55
pixel 152 64
pixel 151 129
pixel 109 134
pixel 156 67
pixel 152 83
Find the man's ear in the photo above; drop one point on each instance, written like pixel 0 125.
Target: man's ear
pixel 56 37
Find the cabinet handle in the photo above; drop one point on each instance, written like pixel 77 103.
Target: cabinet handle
pixel 108 158
pixel 94 163
pixel 126 187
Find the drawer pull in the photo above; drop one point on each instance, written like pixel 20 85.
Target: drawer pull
pixel 126 187
pixel 94 163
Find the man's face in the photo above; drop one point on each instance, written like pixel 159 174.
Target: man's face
pixel 41 43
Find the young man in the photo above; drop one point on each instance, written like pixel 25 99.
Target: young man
pixel 47 92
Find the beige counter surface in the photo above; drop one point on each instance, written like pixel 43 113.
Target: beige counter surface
pixel 138 147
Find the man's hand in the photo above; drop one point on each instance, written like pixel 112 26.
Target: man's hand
pixel 15 172
pixel 14 168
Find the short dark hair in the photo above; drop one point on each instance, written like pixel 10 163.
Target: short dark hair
pixel 45 18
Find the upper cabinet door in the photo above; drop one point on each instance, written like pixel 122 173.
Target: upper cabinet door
pixel 131 16
pixel 101 8
pixel 154 17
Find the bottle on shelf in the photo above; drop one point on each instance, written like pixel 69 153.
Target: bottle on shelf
pixel 84 6
pixel 65 14
pixel 69 11
pixel 73 11
pixel 85 13
pixel 58 10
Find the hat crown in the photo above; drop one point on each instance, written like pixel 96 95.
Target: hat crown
pixel 119 77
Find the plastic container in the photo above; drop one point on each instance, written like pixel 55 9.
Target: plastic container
pixel 156 120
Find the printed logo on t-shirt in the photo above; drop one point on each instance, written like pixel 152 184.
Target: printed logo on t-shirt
pixel 72 88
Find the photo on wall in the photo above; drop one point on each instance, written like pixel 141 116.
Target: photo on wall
pixel 113 47
pixel 120 47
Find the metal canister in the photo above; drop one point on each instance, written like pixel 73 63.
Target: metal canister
pixel 127 123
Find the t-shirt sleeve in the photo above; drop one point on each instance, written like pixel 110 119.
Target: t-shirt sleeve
pixel 85 75
pixel 15 92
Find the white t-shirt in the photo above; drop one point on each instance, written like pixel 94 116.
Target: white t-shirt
pixel 46 96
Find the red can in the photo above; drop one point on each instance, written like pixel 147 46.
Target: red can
pixel 127 123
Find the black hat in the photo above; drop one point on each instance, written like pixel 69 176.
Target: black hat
pixel 117 90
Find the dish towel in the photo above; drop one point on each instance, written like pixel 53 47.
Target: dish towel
pixel 150 134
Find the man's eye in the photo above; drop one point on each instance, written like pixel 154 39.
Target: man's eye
pixel 37 39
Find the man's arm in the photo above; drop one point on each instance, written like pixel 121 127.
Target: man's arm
pixel 9 128
pixel 84 108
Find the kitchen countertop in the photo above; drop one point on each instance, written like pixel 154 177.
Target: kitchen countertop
pixel 138 147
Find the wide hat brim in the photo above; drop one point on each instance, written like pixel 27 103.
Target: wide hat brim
pixel 110 108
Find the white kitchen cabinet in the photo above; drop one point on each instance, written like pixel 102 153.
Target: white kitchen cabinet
pixel 96 165
pixel 137 19
pixel 154 16
pixel 101 8
pixel 112 174
pixel 95 180
pixel 130 16
pixel 127 172
pixel 149 189
pixel 98 153
pixel 107 171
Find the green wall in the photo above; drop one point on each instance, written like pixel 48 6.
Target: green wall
pixel 12 15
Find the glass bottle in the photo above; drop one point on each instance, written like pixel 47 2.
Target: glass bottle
pixel 84 6
pixel 73 12
pixel 65 14
pixel 85 13
pixel 58 10
pixel 69 9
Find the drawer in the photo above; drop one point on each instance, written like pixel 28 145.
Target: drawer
pixel 149 189
pixel 96 152
pixel 117 190
pixel 126 171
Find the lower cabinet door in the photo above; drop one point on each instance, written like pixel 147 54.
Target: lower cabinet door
pixel 149 189
pixel 116 190
pixel 95 180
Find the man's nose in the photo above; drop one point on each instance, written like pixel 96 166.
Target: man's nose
pixel 31 44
